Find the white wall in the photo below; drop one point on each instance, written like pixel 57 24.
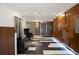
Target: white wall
pixel 7 19
pixel 7 16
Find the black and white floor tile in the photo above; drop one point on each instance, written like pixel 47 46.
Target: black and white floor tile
pixel 46 46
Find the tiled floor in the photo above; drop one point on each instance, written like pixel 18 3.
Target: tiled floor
pixel 46 46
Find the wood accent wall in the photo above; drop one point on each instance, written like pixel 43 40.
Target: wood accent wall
pixel 71 16
pixel 58 27
pixel 67 33
pixel 7 41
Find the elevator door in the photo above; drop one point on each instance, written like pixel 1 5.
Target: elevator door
pixel 49 29
pixel 43 29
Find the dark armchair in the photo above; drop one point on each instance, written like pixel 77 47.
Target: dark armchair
pixel 27 33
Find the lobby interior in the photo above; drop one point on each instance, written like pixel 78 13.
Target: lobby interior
pixel 39 28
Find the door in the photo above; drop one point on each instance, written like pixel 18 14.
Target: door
pixel 43 29
pixel 49 28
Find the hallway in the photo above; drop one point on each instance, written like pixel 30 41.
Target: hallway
pixel 39 28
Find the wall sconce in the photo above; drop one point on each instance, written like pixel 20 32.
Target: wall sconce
pixel 60 14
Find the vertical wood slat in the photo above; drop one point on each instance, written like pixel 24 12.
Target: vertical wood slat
pixel 72 15
pixel 72 38
pixel 0 40
pixel 7 41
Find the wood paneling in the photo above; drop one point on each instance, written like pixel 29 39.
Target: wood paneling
pixel 7 40
pixel 77 42
pixel 71 38
pixel 0 40
pixel 72 15
pixel 58 26
pixel 55 27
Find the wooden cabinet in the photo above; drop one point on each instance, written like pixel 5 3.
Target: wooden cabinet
pixel 7 41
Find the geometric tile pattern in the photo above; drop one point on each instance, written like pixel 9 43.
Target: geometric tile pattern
pixel 47 46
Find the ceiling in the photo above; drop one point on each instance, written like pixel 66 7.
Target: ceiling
pixel 45 11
